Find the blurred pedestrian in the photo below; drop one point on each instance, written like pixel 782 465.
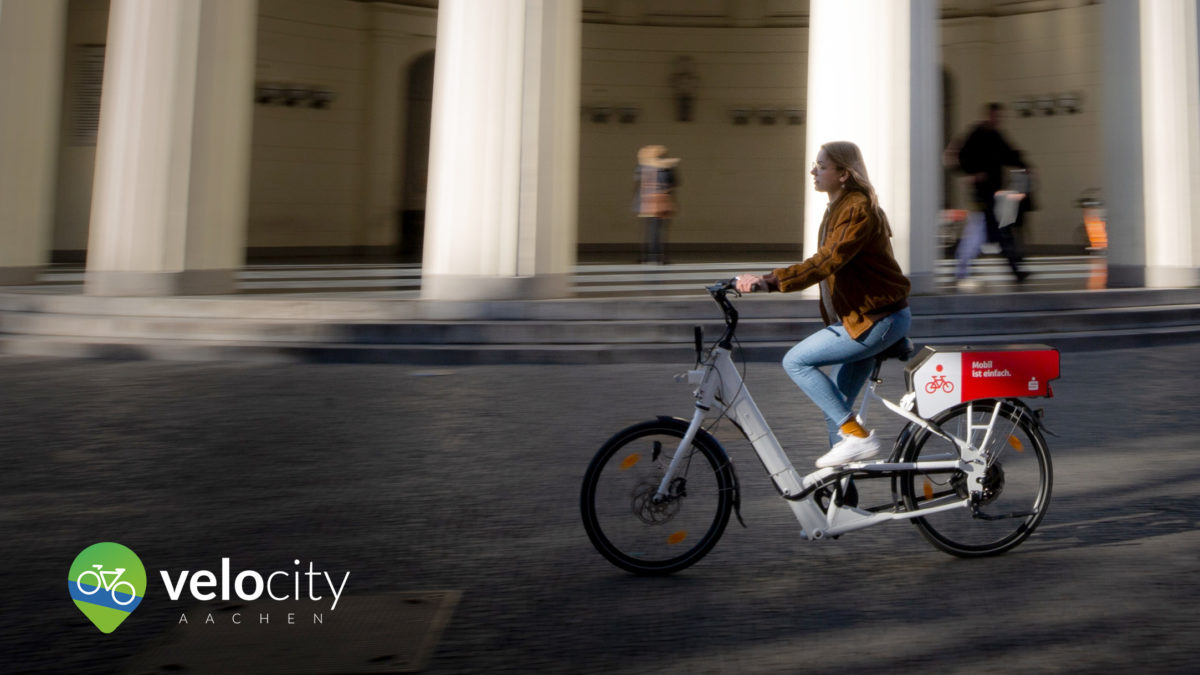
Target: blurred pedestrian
pixel 654 183
pixel 983 156
pixel 864 300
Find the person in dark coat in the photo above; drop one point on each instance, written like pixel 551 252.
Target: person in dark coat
pixel 984 155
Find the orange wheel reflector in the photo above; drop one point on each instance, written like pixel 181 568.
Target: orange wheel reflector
pixel 928 490
pixel 1016 444
pixel 677 537
pixel 630 461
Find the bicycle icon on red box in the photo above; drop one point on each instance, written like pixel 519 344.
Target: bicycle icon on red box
pixel 939 382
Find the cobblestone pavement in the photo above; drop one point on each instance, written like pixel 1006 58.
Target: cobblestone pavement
pixel 467 478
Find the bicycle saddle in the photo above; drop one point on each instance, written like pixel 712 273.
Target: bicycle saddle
pixel 901 349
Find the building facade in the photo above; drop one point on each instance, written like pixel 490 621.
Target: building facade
pixel 168 140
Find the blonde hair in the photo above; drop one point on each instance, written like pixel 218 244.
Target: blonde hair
pixel 847 157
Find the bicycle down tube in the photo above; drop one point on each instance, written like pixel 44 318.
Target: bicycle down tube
pixel 734 398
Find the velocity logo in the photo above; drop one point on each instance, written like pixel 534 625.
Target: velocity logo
pixel 107 582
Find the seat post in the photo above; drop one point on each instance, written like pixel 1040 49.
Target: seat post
pixel 879 359
pixel 869 394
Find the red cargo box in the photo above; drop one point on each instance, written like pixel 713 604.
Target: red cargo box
pixel 944 376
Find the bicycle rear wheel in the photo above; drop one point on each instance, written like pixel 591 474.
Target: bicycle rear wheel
pixel 1016 485
pixel 621 517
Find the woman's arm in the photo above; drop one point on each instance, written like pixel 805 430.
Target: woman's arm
pixel 850 230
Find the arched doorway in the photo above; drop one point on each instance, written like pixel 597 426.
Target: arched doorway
pixel 418 94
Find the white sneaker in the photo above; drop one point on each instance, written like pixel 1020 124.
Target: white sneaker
pixel 851 449
pixel 968 285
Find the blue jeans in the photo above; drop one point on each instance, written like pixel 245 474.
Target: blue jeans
pixel 652 249
pixel 974 234
pixel 852 361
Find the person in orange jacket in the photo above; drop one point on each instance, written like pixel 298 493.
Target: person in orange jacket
pixel 864 300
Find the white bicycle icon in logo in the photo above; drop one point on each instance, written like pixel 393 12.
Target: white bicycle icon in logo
pixel 113 585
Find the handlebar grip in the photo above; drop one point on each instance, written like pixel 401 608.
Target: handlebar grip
pixel 760 286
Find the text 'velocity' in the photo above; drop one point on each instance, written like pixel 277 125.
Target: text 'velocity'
pixel 251 585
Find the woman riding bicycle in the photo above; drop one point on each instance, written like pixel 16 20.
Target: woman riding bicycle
pixel 864 300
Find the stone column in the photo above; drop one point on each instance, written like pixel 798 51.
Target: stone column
pixel 1152 135
pixel 503 166
pixel 1171 136
pixel 1121 124
pixel 892 112
pixel 173 156
pixel 32 33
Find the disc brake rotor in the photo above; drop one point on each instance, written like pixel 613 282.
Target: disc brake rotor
pixel 647 510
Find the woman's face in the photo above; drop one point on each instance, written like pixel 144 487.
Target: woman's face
pixel 826 176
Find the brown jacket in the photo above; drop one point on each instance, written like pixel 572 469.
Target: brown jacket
pixel 863 279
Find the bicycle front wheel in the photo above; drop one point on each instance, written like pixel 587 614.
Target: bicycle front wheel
pixel 621 515
pixel 1016 488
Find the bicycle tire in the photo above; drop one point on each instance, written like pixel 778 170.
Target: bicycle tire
pixel 132 593
pixel 632 532
pixel 1017 484
pixel 95 587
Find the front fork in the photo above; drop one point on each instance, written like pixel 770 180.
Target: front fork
pixel 664 487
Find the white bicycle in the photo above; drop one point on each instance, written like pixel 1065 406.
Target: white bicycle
pixel 100 580
pixel 970 469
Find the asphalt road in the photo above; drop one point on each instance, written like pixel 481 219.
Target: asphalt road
pixel 467 479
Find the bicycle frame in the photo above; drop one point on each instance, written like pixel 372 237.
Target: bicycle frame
pixel 722 389
pixel 115 573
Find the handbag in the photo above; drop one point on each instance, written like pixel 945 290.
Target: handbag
pixel 1008 201
pixel 660 204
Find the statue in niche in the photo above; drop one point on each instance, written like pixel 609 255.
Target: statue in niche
pixel 684 82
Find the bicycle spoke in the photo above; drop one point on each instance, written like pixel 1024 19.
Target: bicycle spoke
pixel 1015 489
pixel 634 526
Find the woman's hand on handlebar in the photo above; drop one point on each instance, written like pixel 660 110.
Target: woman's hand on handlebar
pixel 749 283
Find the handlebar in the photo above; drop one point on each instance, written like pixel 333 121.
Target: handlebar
pixel 720 294
pixel 723 287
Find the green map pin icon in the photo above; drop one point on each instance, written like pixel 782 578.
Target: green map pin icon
pixel 107 582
